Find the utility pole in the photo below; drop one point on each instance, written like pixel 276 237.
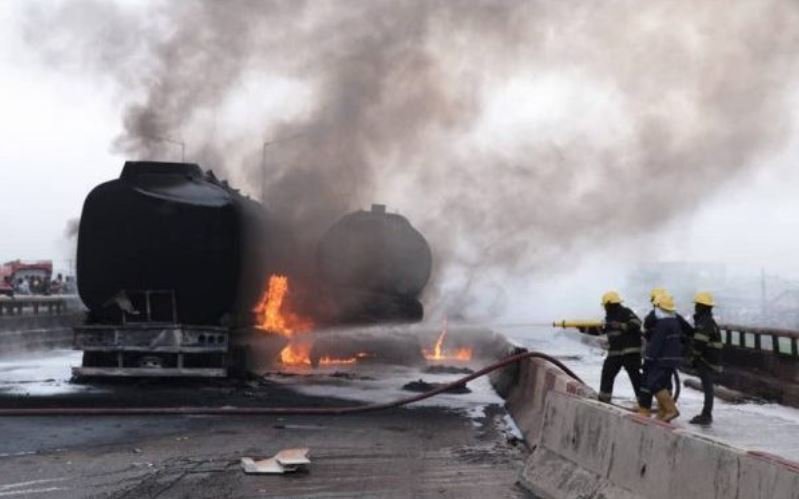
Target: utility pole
pixel 263 172
pixel 263 158
pixel 763 304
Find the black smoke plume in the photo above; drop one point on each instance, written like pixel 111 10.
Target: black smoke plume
pixel 510 132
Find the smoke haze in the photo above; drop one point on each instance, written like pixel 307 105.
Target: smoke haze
pixel 510 133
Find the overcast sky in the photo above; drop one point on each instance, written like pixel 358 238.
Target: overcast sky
pixel 56 130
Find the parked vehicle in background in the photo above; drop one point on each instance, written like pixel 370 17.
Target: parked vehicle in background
pixel 33 276
pixel 6 286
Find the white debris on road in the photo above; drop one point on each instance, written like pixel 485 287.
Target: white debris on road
pixel 285 461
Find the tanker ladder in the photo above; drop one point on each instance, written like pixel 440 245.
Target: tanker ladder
pixel 149 341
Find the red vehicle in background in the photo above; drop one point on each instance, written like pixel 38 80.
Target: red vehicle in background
pixel 37 275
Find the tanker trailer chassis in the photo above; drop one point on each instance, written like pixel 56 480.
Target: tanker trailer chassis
pixel 150 341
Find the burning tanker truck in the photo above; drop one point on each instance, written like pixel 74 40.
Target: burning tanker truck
pixel 179 271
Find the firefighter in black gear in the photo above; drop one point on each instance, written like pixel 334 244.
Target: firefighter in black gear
pixel 705 353
pixel 649 320
pixel 663 356
pixel 623 329
pixel 649 326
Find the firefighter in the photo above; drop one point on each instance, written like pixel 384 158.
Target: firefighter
pixel 623 330
pixel 663 356
pixel 649 325
pixel 705 354
pixel 649 320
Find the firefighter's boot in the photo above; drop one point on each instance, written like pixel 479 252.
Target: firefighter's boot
pixel 667 409
pixel 661 411
pixel 702 419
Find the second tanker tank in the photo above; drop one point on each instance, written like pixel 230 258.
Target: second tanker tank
pixel 376 266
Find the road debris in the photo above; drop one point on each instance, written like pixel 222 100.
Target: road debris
pixel 285 461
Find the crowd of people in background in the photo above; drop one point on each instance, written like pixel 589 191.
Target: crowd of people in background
pixel 36 285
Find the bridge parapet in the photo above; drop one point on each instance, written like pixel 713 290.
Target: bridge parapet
pixel 38 305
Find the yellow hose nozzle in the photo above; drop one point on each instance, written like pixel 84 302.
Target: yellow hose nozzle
pixel 578 324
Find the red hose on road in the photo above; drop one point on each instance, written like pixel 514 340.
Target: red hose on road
pixel 264 411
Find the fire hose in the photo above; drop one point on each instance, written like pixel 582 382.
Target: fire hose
pixel 676 393
pixel 266 411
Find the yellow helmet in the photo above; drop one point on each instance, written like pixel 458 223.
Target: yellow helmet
pixel 611 297
pixel 704 298
pixel 665 302
pixel 655 293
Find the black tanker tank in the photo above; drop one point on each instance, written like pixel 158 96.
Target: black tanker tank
pixel 169 226
pixel 376 266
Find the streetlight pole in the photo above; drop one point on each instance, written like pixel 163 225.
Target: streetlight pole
pixel 263 158
pixel 263 172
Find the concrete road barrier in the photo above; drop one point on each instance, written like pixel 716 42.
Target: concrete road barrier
pixel 587 449
pixel 582 448
pixel 762 476
pixel 526 398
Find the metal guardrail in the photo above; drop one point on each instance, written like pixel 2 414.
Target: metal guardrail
pixel 784 342
pixel 35 304
pixel 772 340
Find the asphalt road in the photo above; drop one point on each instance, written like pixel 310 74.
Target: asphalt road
pixel 405 453
pixel 449 450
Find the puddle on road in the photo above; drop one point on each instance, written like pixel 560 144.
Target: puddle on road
pixel 42 373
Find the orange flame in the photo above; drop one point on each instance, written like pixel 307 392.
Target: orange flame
pixel 463 354
pixel 296 354
pixel 274 316
pixel 272 312
pixel 334 361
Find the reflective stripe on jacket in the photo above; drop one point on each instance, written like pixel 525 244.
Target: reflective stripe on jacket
pixel 706 344
pixel 623 329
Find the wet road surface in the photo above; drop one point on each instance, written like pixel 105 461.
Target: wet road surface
pixel 460 446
